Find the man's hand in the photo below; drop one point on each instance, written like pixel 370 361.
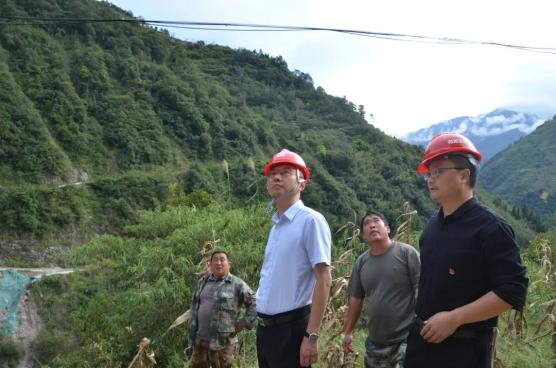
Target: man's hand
pixel 439 327
pixel 308 353
pixel 346 343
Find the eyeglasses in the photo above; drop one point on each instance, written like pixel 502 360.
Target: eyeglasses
pixel 434 173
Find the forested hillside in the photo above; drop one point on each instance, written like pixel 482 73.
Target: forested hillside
pixel 129 110
pixel 525 173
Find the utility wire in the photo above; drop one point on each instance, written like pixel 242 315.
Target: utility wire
pixel 250 27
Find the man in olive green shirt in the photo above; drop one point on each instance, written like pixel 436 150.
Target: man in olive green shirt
pixel 215 314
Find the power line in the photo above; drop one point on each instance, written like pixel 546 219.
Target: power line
pixel 250 27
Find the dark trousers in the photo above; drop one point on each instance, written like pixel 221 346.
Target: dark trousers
pixel 454 352
pixel 278 345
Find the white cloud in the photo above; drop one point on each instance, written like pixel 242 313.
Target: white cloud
pixel 462 127
pixel 537 124
pixel 500 124
pixel 501 119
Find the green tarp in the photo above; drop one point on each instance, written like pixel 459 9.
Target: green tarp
pixel 12 286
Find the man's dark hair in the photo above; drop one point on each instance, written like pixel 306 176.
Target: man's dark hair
pixel 219 252
pixel 370 213
pixel 465 162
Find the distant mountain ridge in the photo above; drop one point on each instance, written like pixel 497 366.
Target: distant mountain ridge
pixel 491 132
pixel 524 174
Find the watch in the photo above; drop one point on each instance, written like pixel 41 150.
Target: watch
pixel 313 336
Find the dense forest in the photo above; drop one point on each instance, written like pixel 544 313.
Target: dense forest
pixel 132 153
pixel 525 174
pixel 99 119
pixel 127 110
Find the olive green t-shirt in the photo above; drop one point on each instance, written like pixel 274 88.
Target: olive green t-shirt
pixel 388 282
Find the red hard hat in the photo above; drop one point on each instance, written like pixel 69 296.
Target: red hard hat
pixel 447 143
pixel 286 157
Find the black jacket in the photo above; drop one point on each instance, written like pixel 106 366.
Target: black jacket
pixel 466 255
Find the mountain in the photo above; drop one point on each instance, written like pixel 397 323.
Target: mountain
pixel 490 132
pixel 524 174
pixel 98 119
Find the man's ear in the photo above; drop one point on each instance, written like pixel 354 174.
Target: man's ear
pixel 302 185
pixel 466 175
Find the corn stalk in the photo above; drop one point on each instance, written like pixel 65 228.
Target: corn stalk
pixel 332 354
pixel 550 314
pixel 403 232
pixel 143 358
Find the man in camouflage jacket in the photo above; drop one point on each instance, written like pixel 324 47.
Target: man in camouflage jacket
pixel 215 314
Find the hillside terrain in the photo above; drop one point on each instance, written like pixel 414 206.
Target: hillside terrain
pixel 525 173
pixel 128 110
pixel 99 119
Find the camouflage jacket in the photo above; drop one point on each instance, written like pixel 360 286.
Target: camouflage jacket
pixel 230 295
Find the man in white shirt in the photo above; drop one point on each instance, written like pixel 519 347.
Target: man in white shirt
pixel 295 276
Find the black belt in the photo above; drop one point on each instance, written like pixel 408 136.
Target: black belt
pixel 461 333
pixel 266 320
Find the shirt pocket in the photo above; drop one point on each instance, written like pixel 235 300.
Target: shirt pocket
pixel 227 313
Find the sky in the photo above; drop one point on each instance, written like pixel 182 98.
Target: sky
pixel 404 86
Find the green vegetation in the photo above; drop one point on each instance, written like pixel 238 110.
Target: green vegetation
pixel 42 209
pixel 134 286
pixel 104 102
pixel 129 110
pixel 529 341
pixel 524 175
pixel 10 352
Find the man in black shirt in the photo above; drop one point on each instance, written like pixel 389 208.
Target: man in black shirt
pixel 471 269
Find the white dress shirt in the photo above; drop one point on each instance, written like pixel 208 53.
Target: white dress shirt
pixel 298 240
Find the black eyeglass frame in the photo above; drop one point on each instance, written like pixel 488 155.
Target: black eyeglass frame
pixel 439 171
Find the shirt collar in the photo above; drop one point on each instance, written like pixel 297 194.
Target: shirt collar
pixel 290 212
pixel 225 278
pixel 466 206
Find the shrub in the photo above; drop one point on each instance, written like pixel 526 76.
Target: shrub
pixel 10 352
pixel 50 344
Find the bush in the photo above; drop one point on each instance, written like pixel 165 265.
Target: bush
pixel 10 352
pixel 50 344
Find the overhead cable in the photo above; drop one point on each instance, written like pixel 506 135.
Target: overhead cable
pixel 250 27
